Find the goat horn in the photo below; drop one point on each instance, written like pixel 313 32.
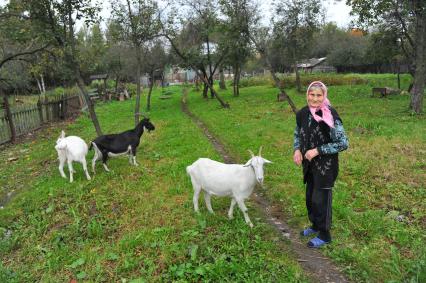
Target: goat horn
pixel 260 151
pixel 251 152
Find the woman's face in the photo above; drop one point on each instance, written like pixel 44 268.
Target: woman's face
pixel 315 97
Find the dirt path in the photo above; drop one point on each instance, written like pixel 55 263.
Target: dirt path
pixel 317 266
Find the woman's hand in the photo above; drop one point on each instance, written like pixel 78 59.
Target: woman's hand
pixel 311 154
pixel 297 157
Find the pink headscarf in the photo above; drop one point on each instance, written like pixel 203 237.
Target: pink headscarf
pixel 327 117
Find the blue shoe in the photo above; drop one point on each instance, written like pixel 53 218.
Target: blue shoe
pixel 317 243
pixel 308 232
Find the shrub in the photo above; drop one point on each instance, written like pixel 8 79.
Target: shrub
pixel 131 88
pixel 256 81
pixel 330 79
pixel 327 78
pixel 59 91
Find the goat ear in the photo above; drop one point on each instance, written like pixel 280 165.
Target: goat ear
pixel 266 161
pixel 62 134
pixel 248 163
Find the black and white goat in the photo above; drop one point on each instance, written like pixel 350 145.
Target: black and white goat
pixel 119 144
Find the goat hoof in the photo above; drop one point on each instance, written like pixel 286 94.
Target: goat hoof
pixel 251 225
pixel 230 217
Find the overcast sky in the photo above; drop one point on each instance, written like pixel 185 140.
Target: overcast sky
pixel 337 11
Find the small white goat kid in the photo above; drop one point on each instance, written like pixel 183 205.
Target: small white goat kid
pixel 234 180
pixel 71 149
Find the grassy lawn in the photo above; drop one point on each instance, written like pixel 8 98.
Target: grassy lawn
pixel 134 223
pixel 382 175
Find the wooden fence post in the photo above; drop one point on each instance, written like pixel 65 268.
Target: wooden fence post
pixel 40 111
pixel 9 117
pixel 46 106
pixel 61 108
pixel 65 106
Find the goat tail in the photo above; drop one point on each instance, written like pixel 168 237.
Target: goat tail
pixel 188 170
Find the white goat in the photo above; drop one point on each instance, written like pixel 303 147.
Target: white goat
pixel 71 149
pixel 234 180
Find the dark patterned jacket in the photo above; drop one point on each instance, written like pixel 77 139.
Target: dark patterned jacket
pixel 310 134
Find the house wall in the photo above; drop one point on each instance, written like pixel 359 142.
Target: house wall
pixel 324 69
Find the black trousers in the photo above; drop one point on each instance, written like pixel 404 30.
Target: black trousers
pixel 318 204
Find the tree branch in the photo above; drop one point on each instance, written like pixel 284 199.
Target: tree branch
pixel 14 56
pixel 403 24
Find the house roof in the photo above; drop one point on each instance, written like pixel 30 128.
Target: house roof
pixel 311 62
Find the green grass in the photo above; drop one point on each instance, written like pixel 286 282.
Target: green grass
pixel 382 175
pixel 134 223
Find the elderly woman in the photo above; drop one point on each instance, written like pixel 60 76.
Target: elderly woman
pixel 318 137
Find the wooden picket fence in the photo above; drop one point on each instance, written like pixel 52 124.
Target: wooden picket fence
pixel 29 118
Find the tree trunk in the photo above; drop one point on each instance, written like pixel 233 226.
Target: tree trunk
pixel 237 72
pixel 39 85
pixel 9 117
pixel 72 60
pixel 210 86
pixel 138 87
pixel 222 83
pixel 92 113
pixel 222 103
pixel 162 82
pixel 278 83
pixel 416 103
pixel 116 85
pixel 197 83
pixel 211 81
pixel 42 83
pixel 298 86
pixel 237 83
pixel 210 78
pixel 398 76
pixel 205 91
pixel 148 100
pixel 105 90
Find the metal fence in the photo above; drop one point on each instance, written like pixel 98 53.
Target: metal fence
pixel 29 118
